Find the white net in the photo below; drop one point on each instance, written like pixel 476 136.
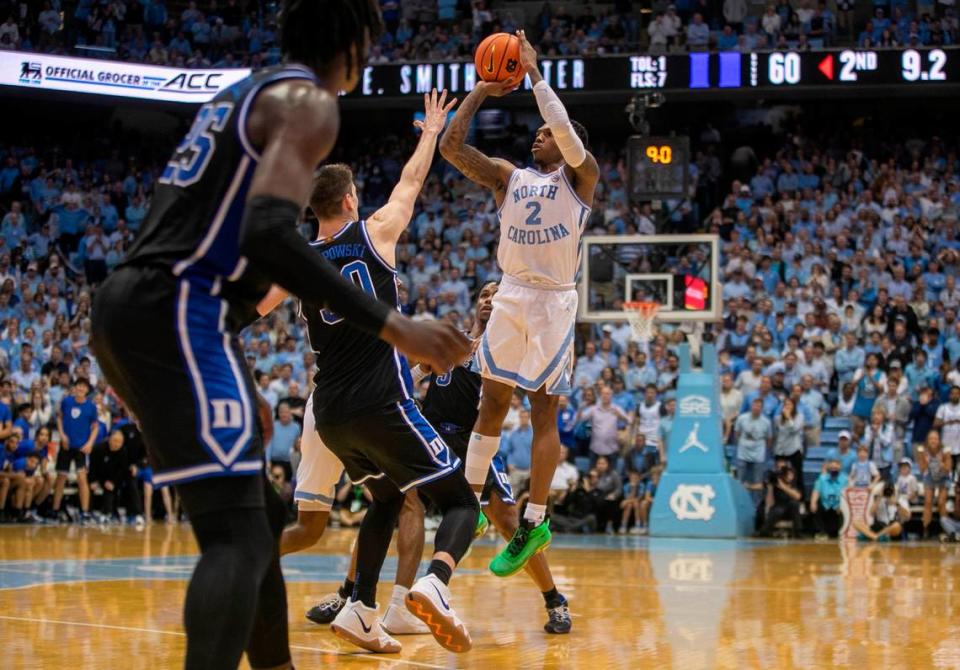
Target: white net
pixel 642 317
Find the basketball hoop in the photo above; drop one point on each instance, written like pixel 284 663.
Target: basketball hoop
pixel 642 316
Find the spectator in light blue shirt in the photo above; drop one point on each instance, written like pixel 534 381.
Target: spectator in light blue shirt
pixel 825 499
pixel 788 181
pixel 849 359
pixel 589 366
pixel 727 40
pixel 515 450
pixel 769 403
pixel 135 212
pixel 753 434
pixel 844 452
pixel 108 214
pixel 761 185
pixel 698 34
pixel 285 434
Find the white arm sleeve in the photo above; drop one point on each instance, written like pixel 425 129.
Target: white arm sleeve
pixel 555 116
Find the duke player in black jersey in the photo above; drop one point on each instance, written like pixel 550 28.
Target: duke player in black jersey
pixel 220 230
pixel 451 406
pixel 320 470
pixel 364 410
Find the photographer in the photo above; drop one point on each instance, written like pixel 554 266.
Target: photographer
pixel 782 498
pixel 886 514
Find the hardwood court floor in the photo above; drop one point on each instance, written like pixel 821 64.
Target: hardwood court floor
pixel 91 598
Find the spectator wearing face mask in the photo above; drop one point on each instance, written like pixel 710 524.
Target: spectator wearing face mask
pixel 825 500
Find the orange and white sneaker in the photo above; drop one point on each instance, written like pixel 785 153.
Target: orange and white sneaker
pixel 360 625
pixel 429 601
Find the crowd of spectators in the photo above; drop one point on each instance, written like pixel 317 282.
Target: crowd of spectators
pixel 838 277
pixel 243 33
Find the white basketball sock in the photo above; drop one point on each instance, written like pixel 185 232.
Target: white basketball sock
pixel 480 453
pixel 399 594
pixel 535 513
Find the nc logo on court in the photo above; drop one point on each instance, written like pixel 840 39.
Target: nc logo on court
pixel 691 502
pixel 695 405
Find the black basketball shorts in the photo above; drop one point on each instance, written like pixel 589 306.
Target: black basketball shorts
pixel 162 345
pixel 67 456
pixel 395 442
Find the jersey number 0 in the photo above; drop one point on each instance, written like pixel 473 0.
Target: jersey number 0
pixel 359 274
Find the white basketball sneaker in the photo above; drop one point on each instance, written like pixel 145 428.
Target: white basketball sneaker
pixel 429 601
pixel 360 625
pixel 398 621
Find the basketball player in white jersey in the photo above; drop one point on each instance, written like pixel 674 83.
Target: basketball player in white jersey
pixel 648 412
pixel 529 339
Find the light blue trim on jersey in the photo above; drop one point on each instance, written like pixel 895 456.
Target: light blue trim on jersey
pixel 506 192
pixel 523 382
pixel 572 190
pixel 312 497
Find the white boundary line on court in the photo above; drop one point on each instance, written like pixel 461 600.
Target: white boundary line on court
pixel 177 633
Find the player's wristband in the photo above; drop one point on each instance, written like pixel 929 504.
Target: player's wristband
pixel 269 240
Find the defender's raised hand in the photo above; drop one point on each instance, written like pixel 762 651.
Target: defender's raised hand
pixel 435 112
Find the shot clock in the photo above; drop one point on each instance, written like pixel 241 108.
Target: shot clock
pixel 658 167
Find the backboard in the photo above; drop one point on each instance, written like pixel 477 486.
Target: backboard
pixel 680 272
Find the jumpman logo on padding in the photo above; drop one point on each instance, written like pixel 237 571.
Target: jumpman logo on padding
pixel 692 441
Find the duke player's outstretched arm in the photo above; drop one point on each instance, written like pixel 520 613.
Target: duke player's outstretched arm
pixel 296 124
pixel 581 168
pixel 389 221
pixel 494 173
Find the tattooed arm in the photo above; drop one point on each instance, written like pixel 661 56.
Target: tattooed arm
pixel 493 173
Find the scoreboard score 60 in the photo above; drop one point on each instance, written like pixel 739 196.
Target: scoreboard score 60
pixel 658 167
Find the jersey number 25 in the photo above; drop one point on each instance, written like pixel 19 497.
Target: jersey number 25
pixel 193 154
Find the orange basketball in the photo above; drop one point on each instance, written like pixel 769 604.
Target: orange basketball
pixel 497 58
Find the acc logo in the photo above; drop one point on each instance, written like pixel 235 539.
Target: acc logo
pixel 696 405
pixel 197 81
pixel 75 413
pixel 30 72
pixel 512 65
pixel 691 502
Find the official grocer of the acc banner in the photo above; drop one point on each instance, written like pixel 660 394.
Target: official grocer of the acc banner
pixel 128 80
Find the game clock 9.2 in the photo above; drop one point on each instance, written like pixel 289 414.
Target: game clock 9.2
pixel 853 67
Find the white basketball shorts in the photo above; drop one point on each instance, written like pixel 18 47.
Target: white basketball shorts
pixel 319 469
pixel 529 339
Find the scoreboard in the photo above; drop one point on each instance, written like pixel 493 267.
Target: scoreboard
pixel 693 72
pixel 716 74
pixel 658 167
